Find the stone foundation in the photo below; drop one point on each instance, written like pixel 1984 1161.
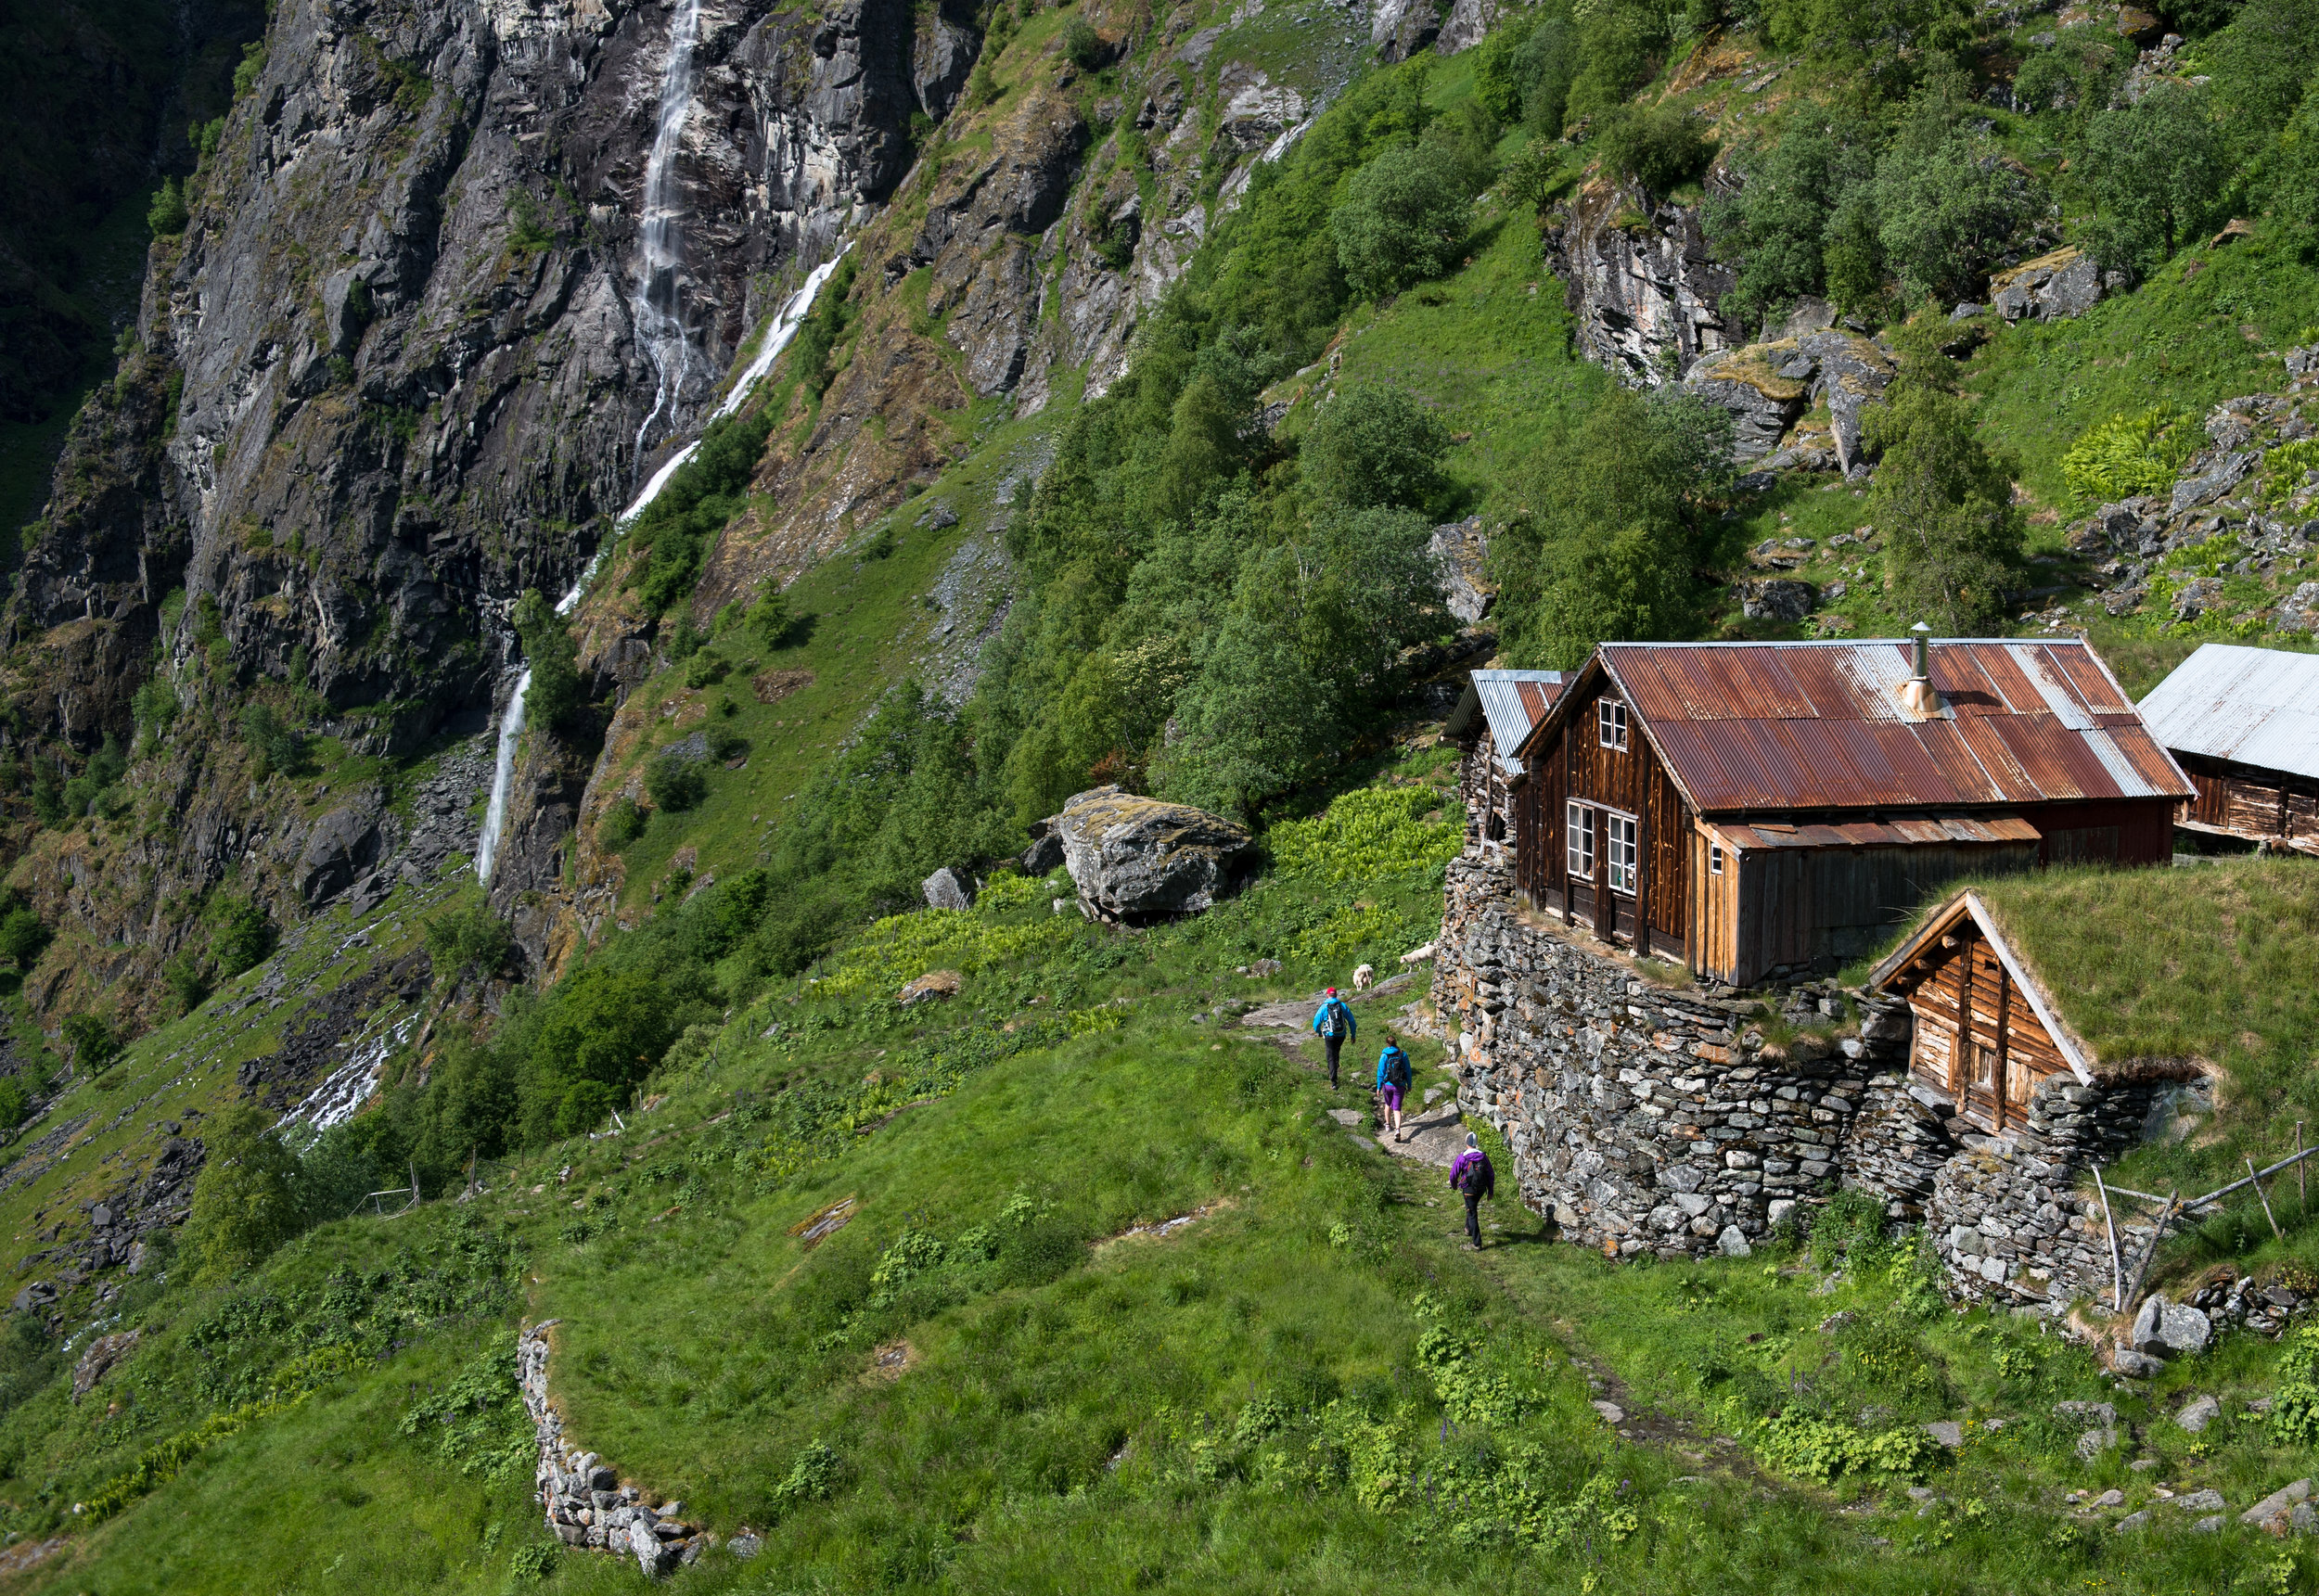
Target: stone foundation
pixel 1645 1119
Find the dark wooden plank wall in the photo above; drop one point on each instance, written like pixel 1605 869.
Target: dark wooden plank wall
pixel 1825 906
pixel 2143 830
pixel 2253 803
pixel 1571 763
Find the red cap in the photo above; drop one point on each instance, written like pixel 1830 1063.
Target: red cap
pixel 1332 992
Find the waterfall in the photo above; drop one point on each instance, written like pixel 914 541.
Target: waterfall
pixel 503 777
pixel 777 339
pixel 659 323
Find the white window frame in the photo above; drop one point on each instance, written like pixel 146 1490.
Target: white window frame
pixel 1578 821
pixel 1611 724
pixel 1714 859
pixel 1620 835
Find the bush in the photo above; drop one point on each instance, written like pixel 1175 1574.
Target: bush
pixel 1781 226
pixel 1374 444
pixel 1081 46
pixel 93 791
pixel 167 215
pixel 155 707
pixel 1946 199
pixel 93 1042
pixel 2157 170
pixel 553 696
pixel 247 1201
pixel 187 983
pixel 706 668
pixel 16 1101
pixel 243 937
pixel 471 939
pixel 675 782
pixel 620 824
pixel 22 935
pixel 1403 219
pixel 676 528
pixel 273 742
pixel 1657 147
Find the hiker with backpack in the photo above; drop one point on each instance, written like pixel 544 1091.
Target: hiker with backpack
pixel 1334 1024
pixel 1472 1178
pixel 1392 1084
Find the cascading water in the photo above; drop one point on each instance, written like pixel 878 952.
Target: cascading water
pixel 659 322
pixel 663 330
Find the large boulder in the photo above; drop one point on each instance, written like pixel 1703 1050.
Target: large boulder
pixel 948 888
pixel 1777 598
pixel 2052 287
pixel 1765 386
pixel 342 846
pixel 1136 858
pixel 2165 1329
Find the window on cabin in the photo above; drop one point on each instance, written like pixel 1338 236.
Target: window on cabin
pixel 1610 723
pixel 1621 859
pixel 1714 859
pixel 1581 818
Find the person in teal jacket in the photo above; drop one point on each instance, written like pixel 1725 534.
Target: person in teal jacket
pixel 1392 1084
pixel 1334 1024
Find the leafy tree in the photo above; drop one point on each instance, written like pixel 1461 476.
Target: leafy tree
pixel 273 742
pixel 48 792
pixel 1941 501
pixel 1620 43
pixel 167 215
pixel 676 531
pixel 675 782
pixel 770 617
pixel 247 1201
pixel 472 939
pixel 554 696
pixel 2156 170
pixel 621 824
pixel 1374 444
pixel 1781 224
pixel 22 937
pixel 16 1101
pixel 93 791
pixel 1255 723
pixel 187 984
pixel 1403 219
pixel 1947 201
pixel 1081 44
pixel 1657 147
pixel 93 1042
pixel 243 937
pixel 155 707
pixel 600 1033
pixel 1614 529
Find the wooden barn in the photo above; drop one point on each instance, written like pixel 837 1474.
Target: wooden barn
pixel 1988 1033
pixel 1493 718
pixel 2244 725
pixel 1760 811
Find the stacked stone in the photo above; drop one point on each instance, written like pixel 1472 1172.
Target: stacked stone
pixel 1643 1119
pixel 586 1504
pixel 2006 1213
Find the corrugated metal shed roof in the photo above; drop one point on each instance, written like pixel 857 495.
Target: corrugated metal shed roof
pixel 2252 705
pixel 1941 831
pixel 1756 726
pixel 1511 702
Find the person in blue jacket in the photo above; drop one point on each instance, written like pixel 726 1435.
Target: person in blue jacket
pixel 1392 1084
pixel 1334 1024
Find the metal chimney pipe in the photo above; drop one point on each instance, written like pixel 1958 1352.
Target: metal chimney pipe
pixel 1924 659
pixel 1916 694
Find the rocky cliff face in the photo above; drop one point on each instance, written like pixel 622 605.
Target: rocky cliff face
pixel 1641 284
pixel 390 374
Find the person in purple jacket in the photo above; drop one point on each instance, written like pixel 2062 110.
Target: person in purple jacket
pixel 1472 1178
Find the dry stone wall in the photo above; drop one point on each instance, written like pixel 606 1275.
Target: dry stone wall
pixel 1645 1119
pixel 585 1503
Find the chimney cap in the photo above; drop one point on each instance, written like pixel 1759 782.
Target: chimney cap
pixel 1921 628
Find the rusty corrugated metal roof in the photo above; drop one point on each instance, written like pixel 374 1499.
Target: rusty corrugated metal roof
pixel 2253 707
pixel 1753 726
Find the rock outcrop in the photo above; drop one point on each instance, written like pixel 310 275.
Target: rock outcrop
pixel 1640 281
pixel 2052 287
pixel 1768 386
pixel 1461 553
pixel 1137 860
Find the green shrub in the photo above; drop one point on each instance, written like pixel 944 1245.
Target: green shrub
pixel 22 935
pixel 243 937
pixel 2295 1396
pixel 273 742
pixel 167 215
pixel 187 982
pixel 675 782
pixel 554 695
pixel 1374 444
pixel 247 1201
pixel 1403 219
pixel 620 824
pixel 16 1101
pixel 706 492
pixel 2128 455
pixel 155 707
pixel 2157 170
pixel 93 1042
pixel 1081 46
pixel 472 939
pixel 706 668
pixel 1659 147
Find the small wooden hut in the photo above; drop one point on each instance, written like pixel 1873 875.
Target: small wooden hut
pixel 2244 725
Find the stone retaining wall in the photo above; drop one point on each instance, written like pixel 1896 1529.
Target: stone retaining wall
pixel 1643 1119
pixel 586 1504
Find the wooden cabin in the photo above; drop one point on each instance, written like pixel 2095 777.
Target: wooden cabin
pixel 2244 725
pixel 1761 810
pixel 1493 720
pixel 1987 1033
